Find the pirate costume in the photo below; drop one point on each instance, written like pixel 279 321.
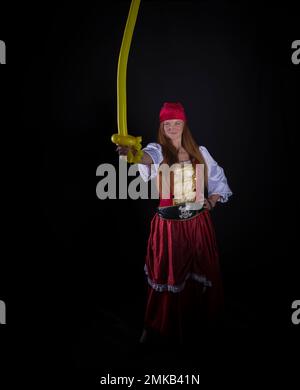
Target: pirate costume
pixel 182 269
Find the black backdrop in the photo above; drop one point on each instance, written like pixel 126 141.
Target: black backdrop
pixel 229 63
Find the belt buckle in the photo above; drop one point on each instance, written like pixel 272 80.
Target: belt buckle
pixel 183 213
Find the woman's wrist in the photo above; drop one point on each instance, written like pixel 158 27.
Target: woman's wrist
pixel 146 159
pixel 210 204
pixel 214 198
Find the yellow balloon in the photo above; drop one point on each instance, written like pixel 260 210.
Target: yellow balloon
pixel 122 138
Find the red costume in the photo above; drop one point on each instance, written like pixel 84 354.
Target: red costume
pixel 182 261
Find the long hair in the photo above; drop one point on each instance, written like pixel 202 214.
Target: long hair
pixel 170 152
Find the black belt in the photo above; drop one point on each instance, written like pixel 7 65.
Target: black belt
pixel 179 212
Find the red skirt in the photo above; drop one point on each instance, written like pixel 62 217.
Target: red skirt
pixel 184 282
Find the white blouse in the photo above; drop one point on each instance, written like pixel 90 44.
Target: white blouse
pixel 217 181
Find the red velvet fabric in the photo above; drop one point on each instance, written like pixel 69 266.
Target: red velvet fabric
pixel 183 256
pixel 172 111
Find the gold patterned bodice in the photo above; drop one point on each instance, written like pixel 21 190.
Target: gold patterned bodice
pixel 184 183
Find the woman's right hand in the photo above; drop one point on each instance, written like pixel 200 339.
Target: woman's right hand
pixel 123 150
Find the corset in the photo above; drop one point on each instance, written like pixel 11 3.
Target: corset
pixel 184 189
pixel 182 185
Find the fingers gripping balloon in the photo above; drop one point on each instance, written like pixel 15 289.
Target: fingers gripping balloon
pixel 123 138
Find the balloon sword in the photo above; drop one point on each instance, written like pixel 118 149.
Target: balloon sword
pixel 123 138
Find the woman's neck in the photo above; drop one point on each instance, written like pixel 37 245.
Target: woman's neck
pixel 177 144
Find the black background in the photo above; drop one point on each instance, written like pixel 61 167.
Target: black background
pixel 72 274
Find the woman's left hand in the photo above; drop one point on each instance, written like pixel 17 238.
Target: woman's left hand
pixel 209 204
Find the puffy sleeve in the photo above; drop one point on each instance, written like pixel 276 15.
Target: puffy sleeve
pixel 149 172
pixel 217 181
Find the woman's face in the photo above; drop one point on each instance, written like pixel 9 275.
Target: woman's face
pixel 173 128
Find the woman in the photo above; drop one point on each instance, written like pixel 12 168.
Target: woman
pixel 182 261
